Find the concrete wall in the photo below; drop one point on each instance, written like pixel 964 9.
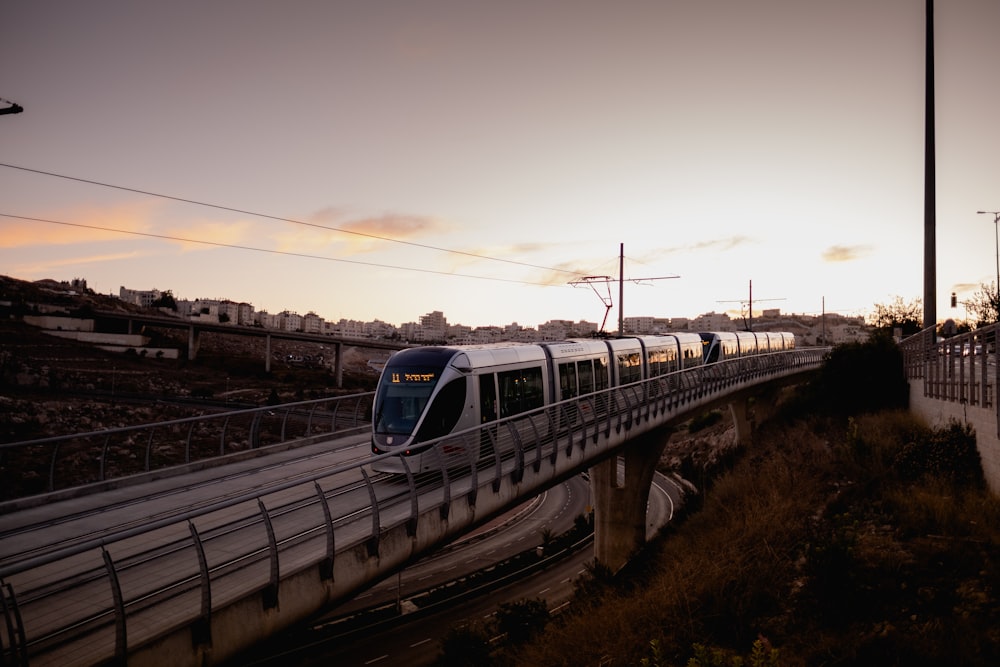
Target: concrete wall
pixel 59 323
pixel 984 420
pixel 150 352
pixel 127 340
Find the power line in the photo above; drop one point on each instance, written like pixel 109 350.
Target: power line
pixel 282 219
pixel 268 250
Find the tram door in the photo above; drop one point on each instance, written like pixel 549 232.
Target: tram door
pixel 487 413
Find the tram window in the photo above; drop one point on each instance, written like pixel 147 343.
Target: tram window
pixel 487 398
pixel 629 368
pixel 567 381
pixel 444 411
pixel 585 370
pixel 692 355
pixel 400 406
pixel 534 395
pixel 600 374
pixel 661 361
pixel 653 361
pixel 520 391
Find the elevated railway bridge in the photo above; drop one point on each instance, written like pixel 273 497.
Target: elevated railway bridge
pixel 194 563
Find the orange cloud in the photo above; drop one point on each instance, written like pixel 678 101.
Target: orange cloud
pixel 47 266
pixel 396 227
pixel 77 225
pixel 203 235
pixel 840 253
pixel 360 235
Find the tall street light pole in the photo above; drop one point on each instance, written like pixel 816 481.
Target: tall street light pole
pixel 930 181
pixel 996 233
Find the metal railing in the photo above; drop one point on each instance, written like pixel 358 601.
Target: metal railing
pixel 108 595
pixel 960 369
pixel 49 464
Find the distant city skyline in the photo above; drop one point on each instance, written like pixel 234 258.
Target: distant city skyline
pixel 610 325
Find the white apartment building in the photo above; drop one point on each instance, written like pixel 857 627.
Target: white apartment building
pixel 346 328
pixel 267 320
pixel 646 325
pixel 288 321
pixel 245 316
pixel 434 326
pixel 712 322
pixel 143 298
pixel 555 330
pixel 312 323
pixel 229 312
pixel 378 329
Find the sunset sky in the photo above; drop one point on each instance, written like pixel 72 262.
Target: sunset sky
pixel 386 159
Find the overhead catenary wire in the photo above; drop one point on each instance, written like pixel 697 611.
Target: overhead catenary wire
pixel 268 216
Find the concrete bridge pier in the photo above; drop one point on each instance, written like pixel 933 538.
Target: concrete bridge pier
pixel 620 508
pixel 620 504
pixel 194 340
pixel 338 364
pixel 267 353
pixel 740 412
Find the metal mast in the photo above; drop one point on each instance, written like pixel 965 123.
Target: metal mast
pixel 930 250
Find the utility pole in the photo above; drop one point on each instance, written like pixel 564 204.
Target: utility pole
pixel 621 289
pixel 606 281
pixel 749 304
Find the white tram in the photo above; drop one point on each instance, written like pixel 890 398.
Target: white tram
pixel 425 393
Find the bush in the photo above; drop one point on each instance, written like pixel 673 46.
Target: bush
pixel 948 453
pixel 862 378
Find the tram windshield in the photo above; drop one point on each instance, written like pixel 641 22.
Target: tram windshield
pixel 402 397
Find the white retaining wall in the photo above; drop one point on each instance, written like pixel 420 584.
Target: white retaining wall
pixel 984 420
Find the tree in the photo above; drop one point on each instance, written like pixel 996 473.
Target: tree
pixel 862 378
pixel 984 305
pixel 166 300
pixel 907 316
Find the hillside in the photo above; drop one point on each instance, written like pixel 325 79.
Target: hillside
pixel 54 386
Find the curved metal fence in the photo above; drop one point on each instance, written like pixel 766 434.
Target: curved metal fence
pixel 49 464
